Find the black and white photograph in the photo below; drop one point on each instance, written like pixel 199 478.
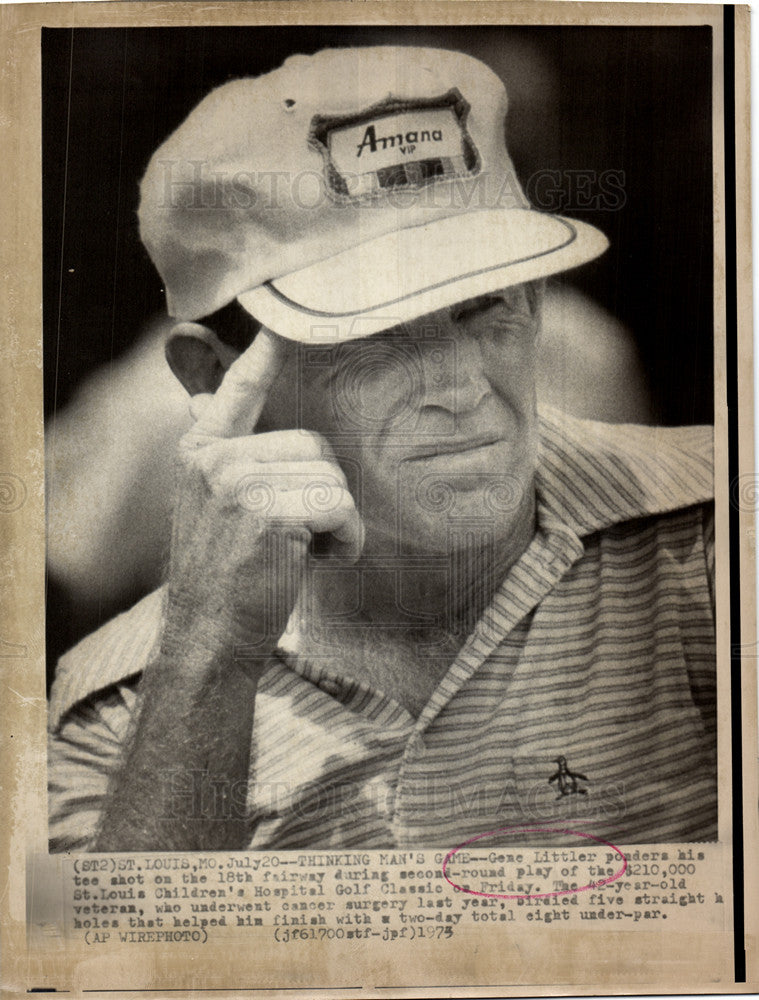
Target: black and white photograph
pixel 381 499
pixel 379 446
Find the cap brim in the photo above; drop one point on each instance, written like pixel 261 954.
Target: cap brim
pixel 411 272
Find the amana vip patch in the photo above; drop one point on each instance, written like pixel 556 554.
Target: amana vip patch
pixel 396 144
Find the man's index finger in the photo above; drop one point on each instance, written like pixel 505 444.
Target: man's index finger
pixel 237 403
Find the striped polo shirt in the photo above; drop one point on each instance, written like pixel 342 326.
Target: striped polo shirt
pixel 584 697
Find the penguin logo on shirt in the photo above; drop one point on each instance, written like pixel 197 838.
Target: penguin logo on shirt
pixel 568 780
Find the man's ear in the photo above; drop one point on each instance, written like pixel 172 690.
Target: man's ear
pixel 197 357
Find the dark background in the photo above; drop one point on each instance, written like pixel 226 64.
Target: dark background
pixel 583 99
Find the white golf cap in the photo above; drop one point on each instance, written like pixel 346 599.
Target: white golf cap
pixel 346 192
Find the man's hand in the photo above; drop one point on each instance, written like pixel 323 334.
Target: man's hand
pixel 246 508
pixel 247 505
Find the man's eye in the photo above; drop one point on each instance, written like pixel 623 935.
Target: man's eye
pixel 493 314
pixel 482 307
pixel 512 320
pixel 498 320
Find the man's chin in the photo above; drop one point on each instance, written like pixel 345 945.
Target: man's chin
pixel 467 521
pixel 444 491
pixel 444 502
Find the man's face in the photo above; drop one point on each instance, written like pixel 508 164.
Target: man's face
pixel 433 421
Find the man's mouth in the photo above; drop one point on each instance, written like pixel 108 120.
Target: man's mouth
pixel 454 446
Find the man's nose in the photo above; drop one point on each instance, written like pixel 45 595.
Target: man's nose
pixel 452 367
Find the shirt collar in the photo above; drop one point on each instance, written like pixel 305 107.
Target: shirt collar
pixel 592 475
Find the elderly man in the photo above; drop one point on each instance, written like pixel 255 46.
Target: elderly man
pixel 403 606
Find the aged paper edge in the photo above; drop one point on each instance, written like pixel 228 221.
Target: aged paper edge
pixel 748 518
pixel 22 486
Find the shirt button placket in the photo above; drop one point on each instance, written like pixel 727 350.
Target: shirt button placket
pixel 415 748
